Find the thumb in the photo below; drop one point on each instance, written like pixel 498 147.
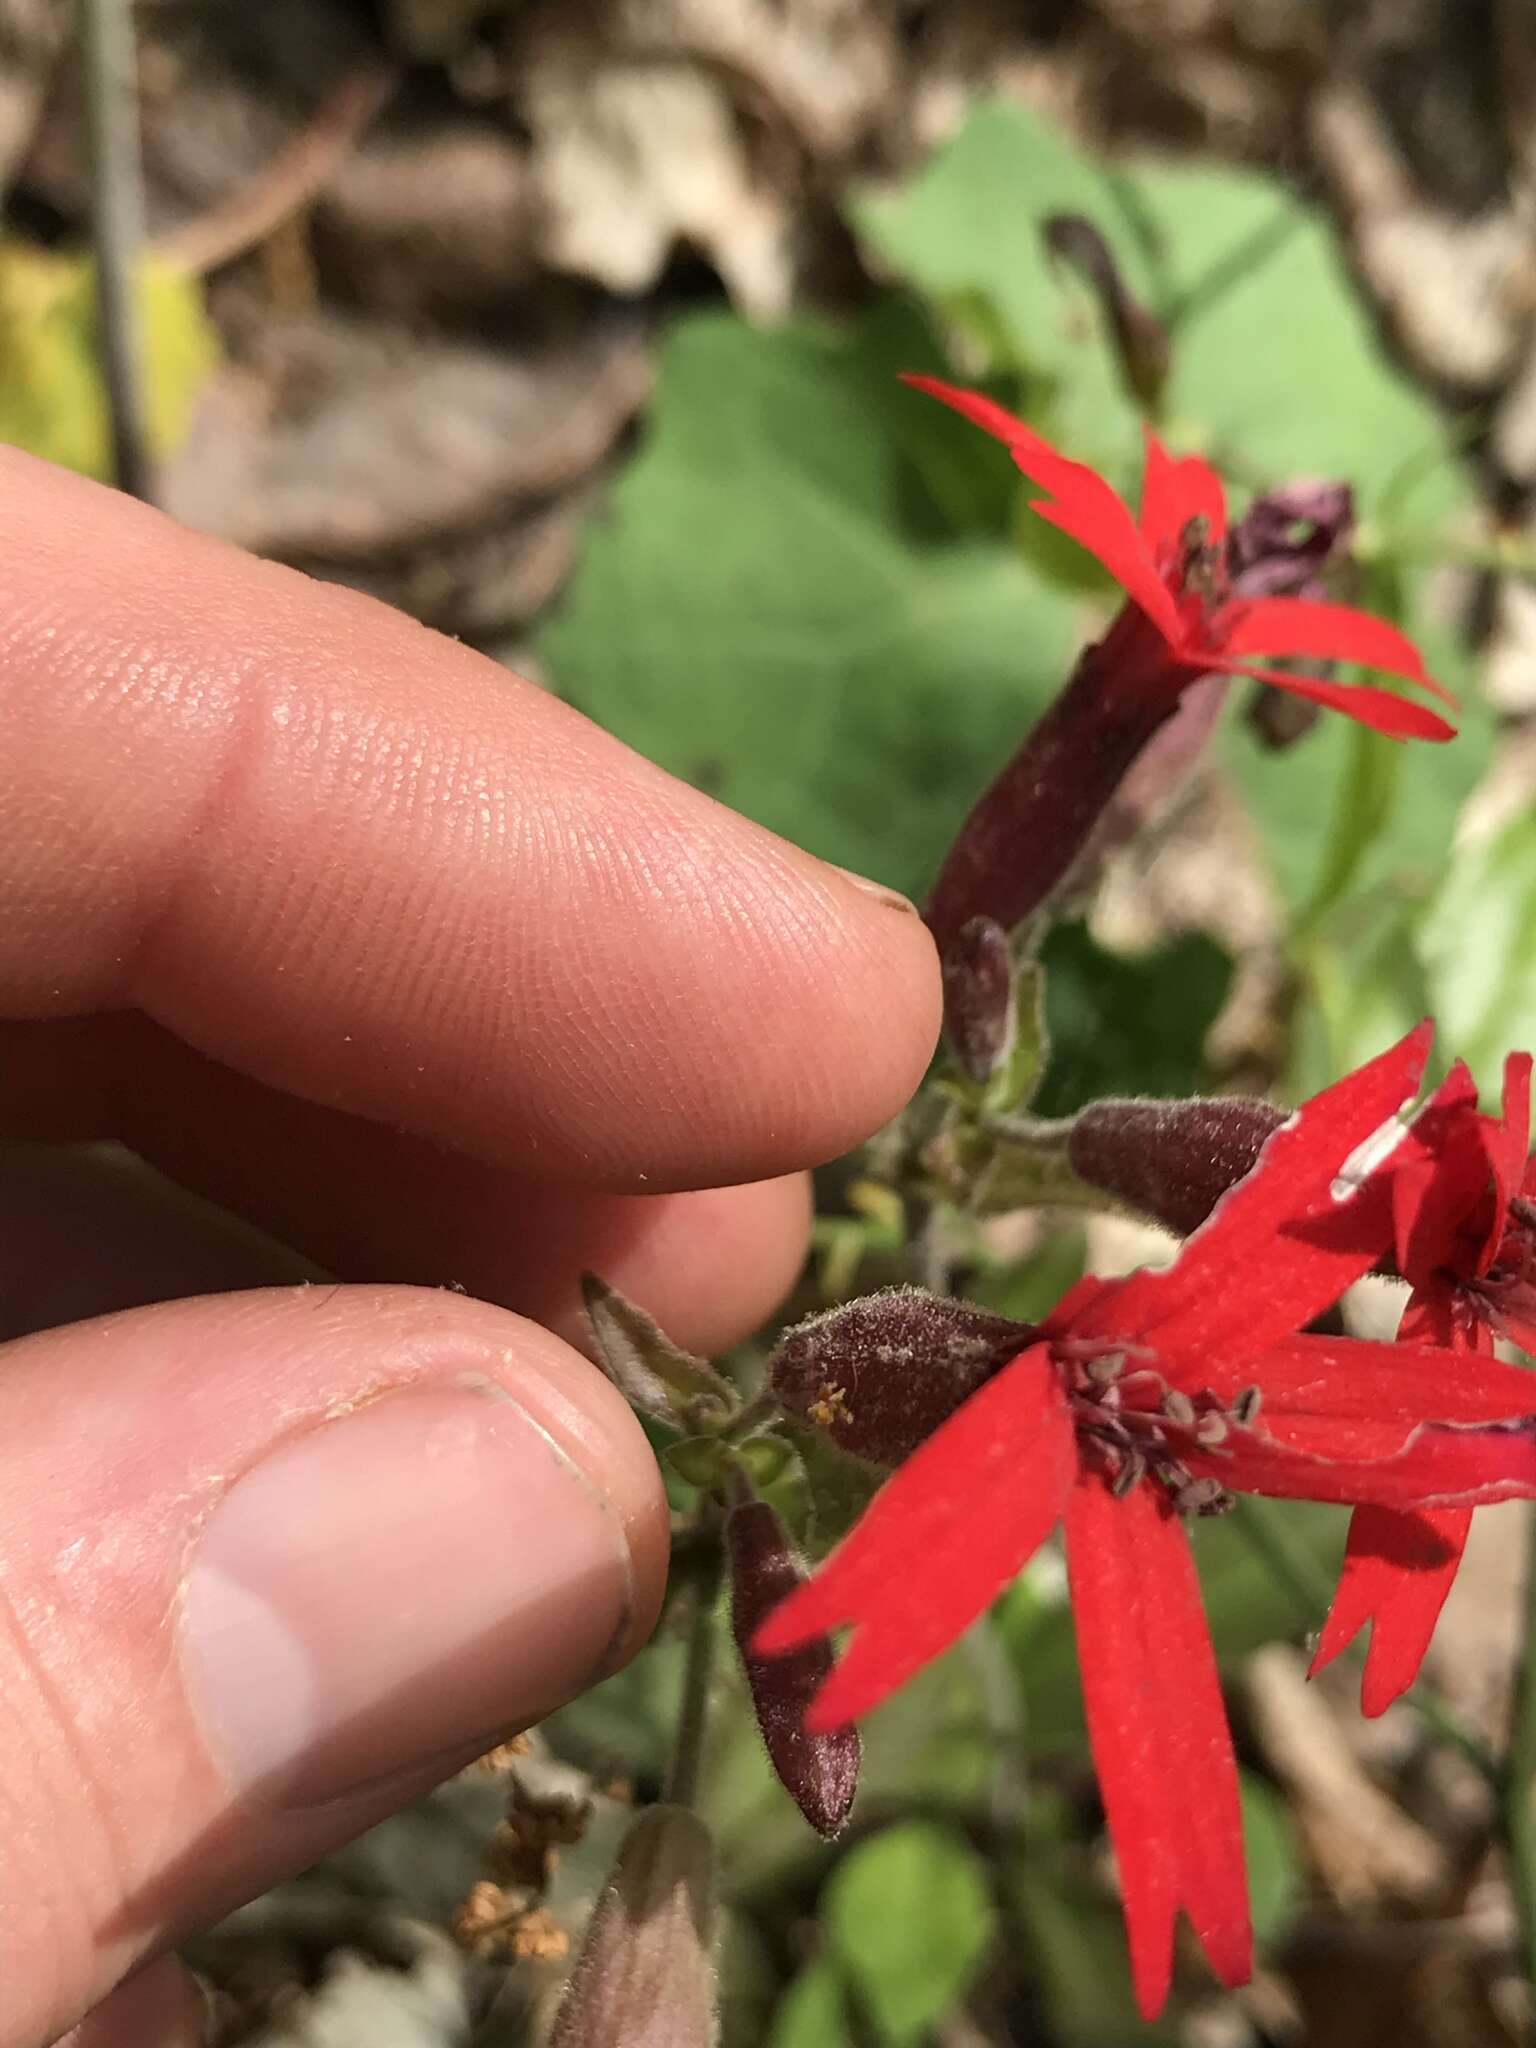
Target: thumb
pixel 272 1564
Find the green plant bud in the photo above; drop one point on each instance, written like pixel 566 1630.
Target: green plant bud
pixel 644 1977
pixel 880 1374
pixel 649 1370
pixel 819 1772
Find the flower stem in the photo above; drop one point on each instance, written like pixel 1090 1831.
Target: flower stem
pixel 1517 1814
pixel 698 1673
pixel 117 227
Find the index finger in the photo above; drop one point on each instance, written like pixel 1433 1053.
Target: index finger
pixel 364 864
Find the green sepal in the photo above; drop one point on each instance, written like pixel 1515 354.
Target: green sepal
pixel 650 1371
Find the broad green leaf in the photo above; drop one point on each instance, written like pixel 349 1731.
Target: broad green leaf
pixel 1127 1025
pixel 909 1920
pixel 755 614
pixel 1478 947
pixel 1367 987
pixel 967 233
pixel 813 2012
pixel 1280 371
pixel 52 401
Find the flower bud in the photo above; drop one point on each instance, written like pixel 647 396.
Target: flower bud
pixel 979 998
pixel 880 1374
pixel 1141 341
pixel 649 1370
pixel 1171 1160
pixel 644 1978
pixel 819 1772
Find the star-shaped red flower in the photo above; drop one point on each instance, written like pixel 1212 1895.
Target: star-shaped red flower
pixel 1170 563
pixel 1460 1189
pixel 1135 1403
pixel 1189 616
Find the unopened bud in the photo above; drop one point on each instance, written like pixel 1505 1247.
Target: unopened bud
pixel 978 997
pixel 1171 1160
pixel 1141 340
pixel 880 1374
pixel 644 1978
pixel 819 1772
pixel 649 1370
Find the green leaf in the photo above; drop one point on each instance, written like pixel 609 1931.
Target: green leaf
pixel 813 2012
pixel 1478 947
pixel 1127 1025
pixel 1367 986
pixel 1281 372
pixel 52 401
pixel 967 233
pixel 759 614
pixel 910 1921
pixel 1269 1843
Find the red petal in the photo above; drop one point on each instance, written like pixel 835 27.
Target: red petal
pixel 1174 491
pixel 1159 1733
pixel 1439 1466
pixel 1367 1398
pixel 1438 1180
pixel 1318 631
pixel 1506 1142
pixel 940 1540
pixel 1396 716
pixel 1087 508
pixel 1398 1569
pixel 1276 1249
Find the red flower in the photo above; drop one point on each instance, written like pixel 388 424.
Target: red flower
pixel 1459 1189
pixel 1135 1403
pixel 1171 564
pixel 1192 613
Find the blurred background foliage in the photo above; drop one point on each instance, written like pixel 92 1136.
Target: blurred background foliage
pixel 574 329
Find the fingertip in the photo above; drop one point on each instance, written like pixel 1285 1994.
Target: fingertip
pixel 160 2006
pixel 711 1266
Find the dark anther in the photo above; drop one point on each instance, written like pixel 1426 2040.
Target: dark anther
pixel 1133 1469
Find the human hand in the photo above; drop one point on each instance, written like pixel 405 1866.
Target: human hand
pixel 352 934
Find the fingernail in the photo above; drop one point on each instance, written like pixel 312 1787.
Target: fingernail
pixel 384 1588
pixel 891 898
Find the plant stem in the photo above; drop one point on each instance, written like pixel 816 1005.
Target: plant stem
pixel 1517 1815
pixel 1269 1535
pixel 117 227
pixel 698 1672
